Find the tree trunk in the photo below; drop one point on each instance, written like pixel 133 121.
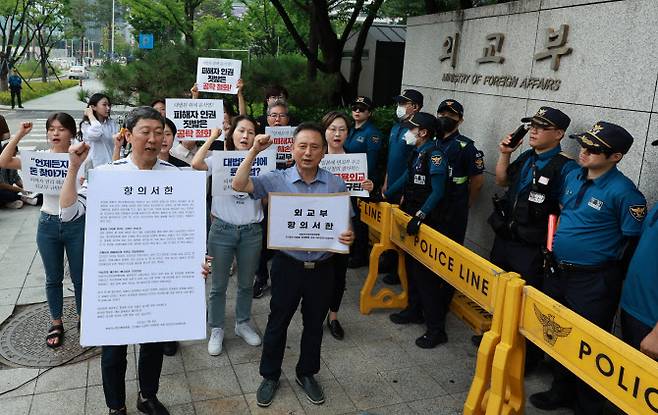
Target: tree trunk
pixel 356 66
pixel 431 7
pixel 312 68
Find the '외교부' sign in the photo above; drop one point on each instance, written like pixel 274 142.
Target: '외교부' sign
pixel 225 164
pixel 194 118
pixel 352 168
pixel 308 222
pixel 282 140
pixel 44 172
pixel 218 75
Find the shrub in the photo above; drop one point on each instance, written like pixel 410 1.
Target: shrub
pixel 40 89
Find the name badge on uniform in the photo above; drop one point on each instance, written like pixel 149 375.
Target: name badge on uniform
pixel 419 179
pixel 535 197
pixel 543 180
pixel 360 139
pixel 595 203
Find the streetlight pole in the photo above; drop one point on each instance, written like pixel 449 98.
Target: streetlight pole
pixel 112 35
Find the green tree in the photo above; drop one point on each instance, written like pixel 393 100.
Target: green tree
pixel 177 15
pixel 15 33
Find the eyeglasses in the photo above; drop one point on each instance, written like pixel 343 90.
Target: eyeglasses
pixel 357 108
pixel 275 115
pixel 541 127
pixel 334 130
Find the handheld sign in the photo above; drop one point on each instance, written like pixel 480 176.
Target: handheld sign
pixel 282 140
pixel 194 118
pixel 145 238
pixel 225 164
pixel 308 222
pixel 44 172
pixel 352 168
pixel 218 75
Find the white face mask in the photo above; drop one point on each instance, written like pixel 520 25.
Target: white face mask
pixel 410 138
pixel 401 111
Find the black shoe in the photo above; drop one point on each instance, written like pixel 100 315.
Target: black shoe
pixel 151 406
pixel 357 262
pixel 430 340
pixel 476 340
pixel 266 391
pixel 391 279
pixel 118 411
pixel 20 106
pixel 406 317
pixel 335 329
pixel 259 288
pixel 313 390
pixel 170 348
pixel 550 400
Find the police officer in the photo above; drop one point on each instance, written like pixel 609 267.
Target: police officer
pixel 534 181
pixel 465 168
pixel 408 102
pixel 639 298
pixel 364 137
pixel 601 219
pixel 422 185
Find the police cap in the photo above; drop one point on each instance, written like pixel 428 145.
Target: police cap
pixel 363 100
pixel 549 117
pixel 422 120
pixel 410 95
pixel 450 105
pixel 605 137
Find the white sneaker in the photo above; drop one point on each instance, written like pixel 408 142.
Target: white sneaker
pixel 248 334
pixel 32 201
pixel 16 204
pixel 215 342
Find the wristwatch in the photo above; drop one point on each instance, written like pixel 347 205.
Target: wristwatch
pixel 420 215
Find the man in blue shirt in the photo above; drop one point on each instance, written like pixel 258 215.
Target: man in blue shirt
pixel 364 137
pixel 423 185
pixel 15 86
pixel 305 276
pixel 408 102
pixel 600 222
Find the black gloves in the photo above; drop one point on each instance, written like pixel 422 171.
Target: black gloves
pixel 414 225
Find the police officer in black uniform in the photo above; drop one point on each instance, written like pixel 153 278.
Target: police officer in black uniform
pixel 422 185
pixel 520 217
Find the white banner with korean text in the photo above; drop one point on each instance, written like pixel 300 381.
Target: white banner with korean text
pixel 352 168
pixel 218 75
pixel 308 221
pixel 225 164
pixel 194 118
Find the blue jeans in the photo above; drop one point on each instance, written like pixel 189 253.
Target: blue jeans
pixel 53 237
pixel 224 242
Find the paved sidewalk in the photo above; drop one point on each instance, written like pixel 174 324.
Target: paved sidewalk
pixel 377 369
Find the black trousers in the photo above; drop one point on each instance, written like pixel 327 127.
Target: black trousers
pixel 340 276
pixel 15 95
pixel 262 273
pixel 431 294
pixel 595 296
pixel 113 368
pixel 7 196
pixel 633 331
pixel 292 283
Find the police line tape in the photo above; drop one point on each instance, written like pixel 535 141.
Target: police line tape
pixel 624 375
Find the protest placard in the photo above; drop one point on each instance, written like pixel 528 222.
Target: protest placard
pixel 352 168
pixel 308 222
pixel 218 75
pixel 225 164
pixel 194 118
pixel 44 172
pixel 282 141
pixel 145 241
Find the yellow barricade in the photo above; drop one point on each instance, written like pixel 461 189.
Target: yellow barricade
pixel 378 218
pixel 471 313
pixel 622 374
pixel 469 273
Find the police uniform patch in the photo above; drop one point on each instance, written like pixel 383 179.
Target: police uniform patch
pixel 479 163
pixel 360 139
pixel 595 203
pixel 374 139
pixel 638 212
pixel 436 160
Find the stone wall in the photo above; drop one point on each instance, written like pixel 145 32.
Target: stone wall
pixel 611 73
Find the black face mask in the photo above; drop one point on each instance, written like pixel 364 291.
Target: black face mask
pixel 448 124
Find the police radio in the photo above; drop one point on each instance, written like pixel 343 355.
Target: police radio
pixel 518 135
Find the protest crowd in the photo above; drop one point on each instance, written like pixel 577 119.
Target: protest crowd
pixel 603 248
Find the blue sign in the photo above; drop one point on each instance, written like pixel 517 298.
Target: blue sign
pixel 146 40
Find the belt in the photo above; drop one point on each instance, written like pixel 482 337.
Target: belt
pixel 568 266
pixel 308 264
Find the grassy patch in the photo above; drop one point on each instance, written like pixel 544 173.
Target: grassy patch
pixel 32 68
pixel 40 89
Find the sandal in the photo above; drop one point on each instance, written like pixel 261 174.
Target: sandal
pixel 55 332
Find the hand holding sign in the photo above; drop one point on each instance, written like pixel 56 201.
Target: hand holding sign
pixel 346 238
